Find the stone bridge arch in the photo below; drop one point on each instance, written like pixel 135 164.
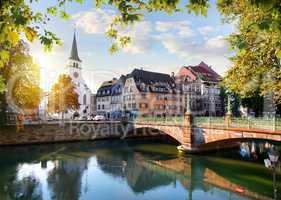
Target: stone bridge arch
pixel 211 135
pixel 176 132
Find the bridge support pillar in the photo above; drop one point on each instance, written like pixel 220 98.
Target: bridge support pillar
pixel 187 143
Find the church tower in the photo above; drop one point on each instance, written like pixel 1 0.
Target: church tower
pixel 74 62
pixel 74 70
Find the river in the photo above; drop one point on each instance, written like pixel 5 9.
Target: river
pixel 133 169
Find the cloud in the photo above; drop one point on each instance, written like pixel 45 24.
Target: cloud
pixel 97 22
pixel 181 28
pixel 176 36
pixel 213 51
pixel 205 30
pixel 94 21
pixel 141 37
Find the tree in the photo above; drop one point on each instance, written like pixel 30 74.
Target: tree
pixel 256 65
pixel 21 76
pixel 256 43
pixel 63 96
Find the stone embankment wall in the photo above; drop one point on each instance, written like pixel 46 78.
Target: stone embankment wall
pixel 56 132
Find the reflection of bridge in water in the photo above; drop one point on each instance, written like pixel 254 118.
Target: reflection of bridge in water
pixel 193 173
pixel 191 177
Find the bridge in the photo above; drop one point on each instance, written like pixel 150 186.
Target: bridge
pixel 196 134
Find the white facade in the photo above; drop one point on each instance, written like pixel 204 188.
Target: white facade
pixel 74 70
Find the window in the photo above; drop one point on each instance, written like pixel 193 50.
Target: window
pixel 103 107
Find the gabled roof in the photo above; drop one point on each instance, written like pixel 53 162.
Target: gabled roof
pixel 74 50
pixel 105 88
pixel 150 77
pixel 205 72
pixel 153 81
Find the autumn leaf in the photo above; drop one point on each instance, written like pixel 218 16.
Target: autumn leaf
pixel 278 53
pixel 13 37
pixel 30 33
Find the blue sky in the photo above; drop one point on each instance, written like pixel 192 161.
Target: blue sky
pixel 160 43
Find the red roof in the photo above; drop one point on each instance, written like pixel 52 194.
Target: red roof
pixel 204 72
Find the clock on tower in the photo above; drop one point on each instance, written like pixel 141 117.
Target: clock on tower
pixel 75 75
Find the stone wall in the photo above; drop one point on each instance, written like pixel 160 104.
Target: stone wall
pixel 55 132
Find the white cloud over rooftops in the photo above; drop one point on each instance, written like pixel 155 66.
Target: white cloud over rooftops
pixel 177 37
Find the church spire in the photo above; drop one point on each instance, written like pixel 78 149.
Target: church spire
pixel 74 51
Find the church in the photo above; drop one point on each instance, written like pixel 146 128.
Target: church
pixel 74 70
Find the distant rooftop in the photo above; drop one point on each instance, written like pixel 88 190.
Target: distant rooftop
pixel 205 72
pixel 149 77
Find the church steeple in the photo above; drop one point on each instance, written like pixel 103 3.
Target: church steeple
pixel 74 51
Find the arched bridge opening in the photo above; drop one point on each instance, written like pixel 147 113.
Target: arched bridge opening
pixel 231 143
pixel 162 134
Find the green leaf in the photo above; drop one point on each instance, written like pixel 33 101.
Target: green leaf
pixel 111 33
pixel 64 15
pixel 124 41
pixel 114 48
pixel 4 57
pixel 52 11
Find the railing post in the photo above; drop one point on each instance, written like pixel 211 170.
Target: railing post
pixel 228 114
pixel 274 121
pixel 249 122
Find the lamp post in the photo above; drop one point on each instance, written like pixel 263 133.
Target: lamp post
pixel 188 106
pixel 271 163
pixel 228 114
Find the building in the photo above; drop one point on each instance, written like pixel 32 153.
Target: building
pixel 116 104
pixel 201 83
pixel 74 70
pixel 104 96
pixel 148 93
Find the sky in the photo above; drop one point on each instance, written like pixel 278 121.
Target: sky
pixel 161 43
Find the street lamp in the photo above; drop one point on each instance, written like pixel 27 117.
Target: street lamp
pixel 188 106
pixel 271 163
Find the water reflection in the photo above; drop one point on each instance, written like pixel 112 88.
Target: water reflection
pixel 26 188
pixel 133 170
pixel 255 150
pixel 65 179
